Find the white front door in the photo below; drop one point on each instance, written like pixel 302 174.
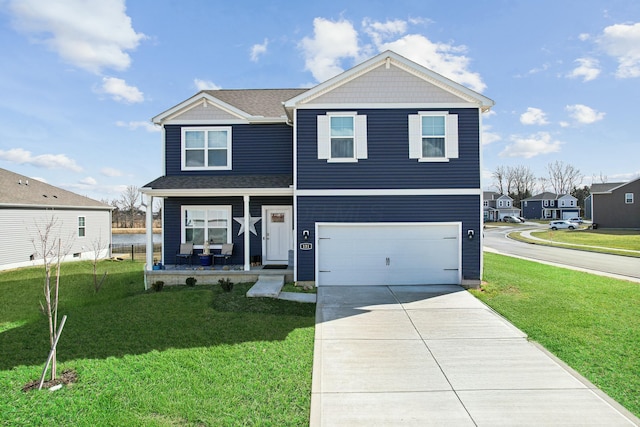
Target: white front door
pixel 277 234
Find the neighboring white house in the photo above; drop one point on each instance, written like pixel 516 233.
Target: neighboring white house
pixel 27 205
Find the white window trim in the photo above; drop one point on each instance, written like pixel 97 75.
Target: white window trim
pixel 628 200
pixel 84 227
pixel 359 136
pixel 450 137
pixel 205 129
pixel 226 208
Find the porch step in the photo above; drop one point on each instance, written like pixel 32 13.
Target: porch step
pixel 266 287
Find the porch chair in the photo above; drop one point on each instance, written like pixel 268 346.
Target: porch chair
pixel 225 253
pixel 185 253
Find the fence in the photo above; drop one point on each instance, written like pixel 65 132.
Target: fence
pixel 134 252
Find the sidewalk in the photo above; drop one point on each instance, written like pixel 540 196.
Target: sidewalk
pixel 435 355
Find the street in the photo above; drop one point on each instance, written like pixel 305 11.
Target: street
pixel 627 268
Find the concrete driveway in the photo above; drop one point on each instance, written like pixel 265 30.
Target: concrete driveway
pixel 435 355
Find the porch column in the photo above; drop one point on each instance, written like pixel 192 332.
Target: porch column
pixel 149 235
pixel 247 234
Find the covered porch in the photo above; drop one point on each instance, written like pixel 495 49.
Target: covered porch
pixel 252 213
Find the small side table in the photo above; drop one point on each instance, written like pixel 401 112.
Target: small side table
pixel 205 260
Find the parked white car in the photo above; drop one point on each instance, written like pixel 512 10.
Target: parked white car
pixel 577 220
pixel 564 224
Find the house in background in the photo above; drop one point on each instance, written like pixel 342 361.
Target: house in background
pixel 27 204
pixel 550 206
pixel 615 205
pixel 496 206
pixel 372 177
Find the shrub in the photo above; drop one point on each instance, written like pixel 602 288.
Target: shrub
pixel 191 281
pixel 158 285
pixel 226 285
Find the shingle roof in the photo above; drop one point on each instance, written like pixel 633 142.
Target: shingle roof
pixel 257 102
pixel 601 188
pixel 177 182
pixel 16 189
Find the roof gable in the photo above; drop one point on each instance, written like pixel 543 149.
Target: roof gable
pixel 406 81
pixel 249 105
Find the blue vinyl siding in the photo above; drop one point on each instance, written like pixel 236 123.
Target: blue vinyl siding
pixel 257 149
pixel 172 222
pixel 388 164
pixel 465 209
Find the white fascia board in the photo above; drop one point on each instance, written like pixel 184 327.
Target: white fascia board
pixel 227 122
pixel 194 101
pixel 217 192
pixel 371 106
pixel 394 192
pixel 384 59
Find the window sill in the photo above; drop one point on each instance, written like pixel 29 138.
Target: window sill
pixel 217 168
pixel 433 160
pixel 342 160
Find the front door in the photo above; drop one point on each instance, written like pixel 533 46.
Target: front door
pixel 277 234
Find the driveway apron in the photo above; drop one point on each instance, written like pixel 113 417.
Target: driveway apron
pixel 436 355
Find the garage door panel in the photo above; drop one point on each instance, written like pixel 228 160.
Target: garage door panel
pixel 377 254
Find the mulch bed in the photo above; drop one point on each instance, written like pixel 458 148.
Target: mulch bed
pixel 69 376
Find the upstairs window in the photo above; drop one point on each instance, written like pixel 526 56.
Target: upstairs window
pixel 433 136
pixel 628 198
pixel 342 137
pixel 82 228
pixel 206 148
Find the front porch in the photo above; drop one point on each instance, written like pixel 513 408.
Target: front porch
pixel 210 275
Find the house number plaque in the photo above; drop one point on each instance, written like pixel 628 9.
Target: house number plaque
pixel 306 246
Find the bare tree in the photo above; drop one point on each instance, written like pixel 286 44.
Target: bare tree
pixel 499 176
pixel 563 177
pixel 600 179
pixel 50 246
pixel 129 203
pixel 521 182
pixel 98 245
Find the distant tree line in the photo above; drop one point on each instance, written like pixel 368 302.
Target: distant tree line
pixel 128 211
pixel 519 182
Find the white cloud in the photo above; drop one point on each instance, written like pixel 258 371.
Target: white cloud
pixel 335 41
pixel 588 69
pixel 531 146
pixel 205 84
pixel 48 161
pixel 90 34
pixel 120 91
pixel 622 41
pixel 135 125
pixel 111 172
pixel 584 37
pixel 489 137
pixel 583 114
pixel 259 49
pixel 443 58
pixel 88 181
pixel 379 31
pixel 534 116
pixel 331 42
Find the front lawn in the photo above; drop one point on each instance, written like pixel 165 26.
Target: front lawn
pixel 183 356
pixel 590 322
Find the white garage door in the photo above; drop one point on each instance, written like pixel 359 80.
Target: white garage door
pixel 388 254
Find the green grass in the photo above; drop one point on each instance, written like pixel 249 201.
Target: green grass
pixel 590 322
pixel 616 242
pixel 183 356
pixel 618 239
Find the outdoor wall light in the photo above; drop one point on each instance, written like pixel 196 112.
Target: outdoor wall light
pixel 305 234
pixel 470 234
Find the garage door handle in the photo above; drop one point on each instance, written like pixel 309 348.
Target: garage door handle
pixel 388 261
pixel 450 269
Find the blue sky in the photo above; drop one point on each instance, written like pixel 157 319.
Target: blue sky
pixel 80 79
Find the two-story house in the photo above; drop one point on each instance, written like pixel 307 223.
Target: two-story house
pixel 496 206
pixel 550 206
pixel 372 177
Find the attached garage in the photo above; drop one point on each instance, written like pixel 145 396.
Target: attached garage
pixel 352 254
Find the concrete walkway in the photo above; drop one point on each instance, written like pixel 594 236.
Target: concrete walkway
pixel 435 355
